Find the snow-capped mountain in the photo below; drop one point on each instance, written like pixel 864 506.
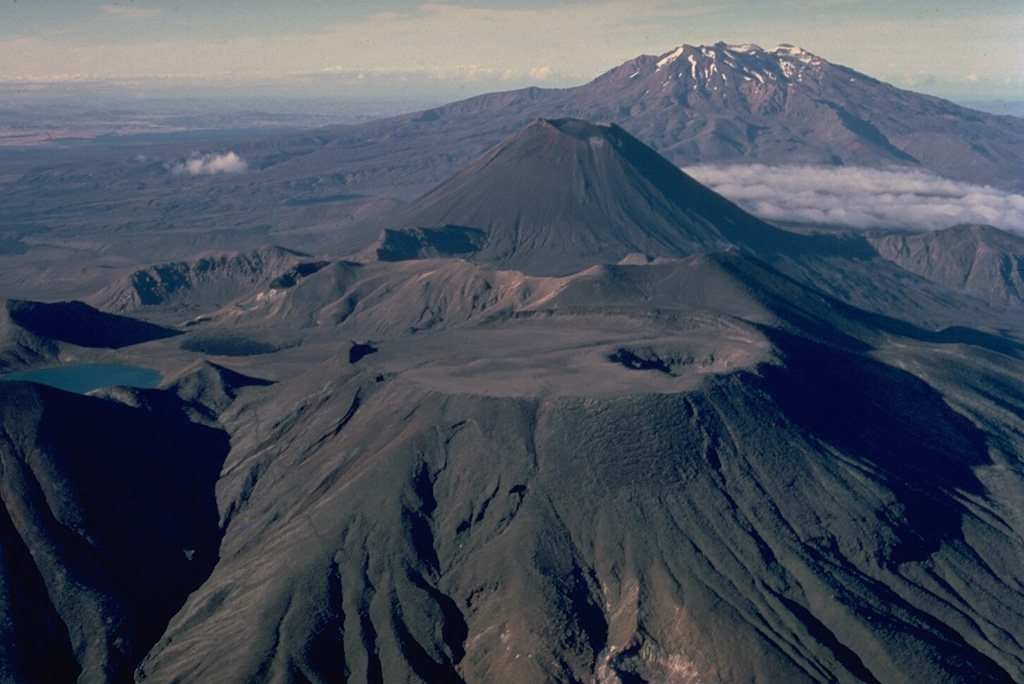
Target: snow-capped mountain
pixel 701 74
pixel 786 105
pixel 693 104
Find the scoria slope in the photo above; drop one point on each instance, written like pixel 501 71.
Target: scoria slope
pixel 562 195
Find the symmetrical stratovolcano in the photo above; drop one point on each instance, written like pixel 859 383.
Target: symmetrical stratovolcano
pixel 562 195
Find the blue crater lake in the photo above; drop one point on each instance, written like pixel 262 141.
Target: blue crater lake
pixel 82 378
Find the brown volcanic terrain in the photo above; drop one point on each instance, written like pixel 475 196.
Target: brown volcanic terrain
pixel 705 449
pixel 981 260
pixel 205 281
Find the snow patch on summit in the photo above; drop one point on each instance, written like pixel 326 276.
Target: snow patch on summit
pixel 787 49
pixel 749 60
pixel 671 57
pixel 797 53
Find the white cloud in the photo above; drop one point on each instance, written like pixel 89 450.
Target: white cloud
pixel 541 73
pixel 860 197
pixel 129 12
pixel 209 164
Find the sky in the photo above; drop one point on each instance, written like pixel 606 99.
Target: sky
pixel 959 49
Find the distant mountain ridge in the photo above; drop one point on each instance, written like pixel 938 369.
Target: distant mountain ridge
pixel 322 190
pixel 694 104
pixel 743 103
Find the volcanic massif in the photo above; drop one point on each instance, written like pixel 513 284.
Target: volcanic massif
pixel 518 400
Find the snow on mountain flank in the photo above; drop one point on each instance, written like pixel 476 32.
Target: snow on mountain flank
pixel 672 57
pixel 785 60
pixel 793 51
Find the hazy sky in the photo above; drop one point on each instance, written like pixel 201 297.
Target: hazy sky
pixel 961 49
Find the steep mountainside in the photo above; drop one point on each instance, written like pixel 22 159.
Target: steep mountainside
pixel 980 260
pixel 786 105
pixel 707 471
pixel 562 195
pixel 20 347
pixel 80 324
pixel 208 281
pixel 109 522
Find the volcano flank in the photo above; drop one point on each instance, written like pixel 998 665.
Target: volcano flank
pixel 564 194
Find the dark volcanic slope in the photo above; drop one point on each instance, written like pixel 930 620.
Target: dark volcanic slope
pixel 482 502
pixel 693 470
pixel 981 260
pixel 80 324
pixel 108 522
pixel 562 195
pixel 559 196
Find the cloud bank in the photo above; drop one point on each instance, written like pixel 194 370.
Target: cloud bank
pixel 209 164
pixel 860 197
